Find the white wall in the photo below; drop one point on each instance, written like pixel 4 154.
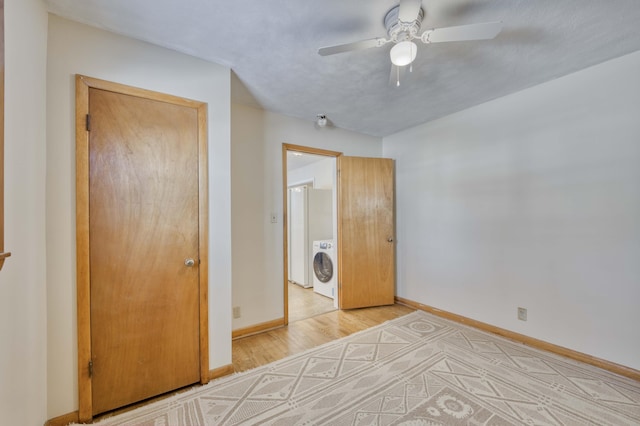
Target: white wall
pixel 256 185
pixel 76 48
pixel 531 200
pixel 23 339
pixel 322 173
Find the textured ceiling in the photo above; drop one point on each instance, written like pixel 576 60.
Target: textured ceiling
pixel 272 48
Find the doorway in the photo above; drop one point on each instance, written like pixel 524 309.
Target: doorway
pixel 141 206
pixel 365 229
pixel 310 199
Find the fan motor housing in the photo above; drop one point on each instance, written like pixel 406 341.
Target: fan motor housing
pixel 398 30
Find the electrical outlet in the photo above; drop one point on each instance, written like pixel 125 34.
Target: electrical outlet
pixel 236 312
pixel 522 314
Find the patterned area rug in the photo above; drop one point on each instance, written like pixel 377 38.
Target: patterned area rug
pixel 415 370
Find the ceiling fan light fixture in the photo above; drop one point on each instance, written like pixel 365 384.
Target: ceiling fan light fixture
pixel 403 53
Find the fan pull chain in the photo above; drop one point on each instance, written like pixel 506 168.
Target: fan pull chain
pixel 411 64
pixel 397 76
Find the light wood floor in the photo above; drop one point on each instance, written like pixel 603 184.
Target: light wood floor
pixel 254 351
pixel 306 303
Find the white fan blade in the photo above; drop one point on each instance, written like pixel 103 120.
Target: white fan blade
pixel 482 31
pixel 356 45
pixel 409 10
pixel 396 76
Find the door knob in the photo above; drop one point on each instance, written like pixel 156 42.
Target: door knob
pixel 390 239
pixel 189 262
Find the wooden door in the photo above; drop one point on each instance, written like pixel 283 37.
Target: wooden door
pixel 3 254
pixel 366 248
pixel 144 248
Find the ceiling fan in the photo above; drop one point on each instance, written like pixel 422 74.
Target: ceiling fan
pixel 403 24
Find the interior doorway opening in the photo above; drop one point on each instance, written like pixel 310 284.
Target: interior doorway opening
pixel 310 231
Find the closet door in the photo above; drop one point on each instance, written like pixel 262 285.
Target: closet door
pixel 142 270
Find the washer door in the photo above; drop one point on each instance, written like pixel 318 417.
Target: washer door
pixel 322 267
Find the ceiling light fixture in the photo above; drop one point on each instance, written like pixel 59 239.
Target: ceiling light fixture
pixel 322 120
pixel 403 53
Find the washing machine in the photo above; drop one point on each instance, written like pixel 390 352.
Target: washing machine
pixel 324 268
